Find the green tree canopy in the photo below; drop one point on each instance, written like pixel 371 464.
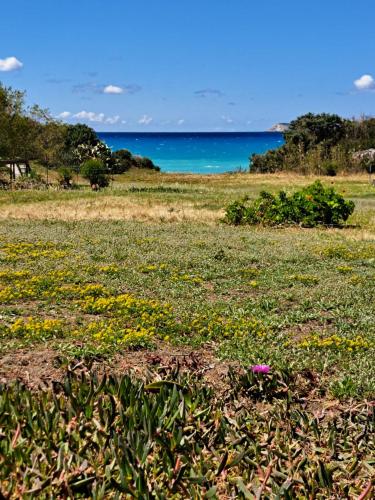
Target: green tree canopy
pixel 320 143
pixel 310 130
pixel 80 134
pixel 30 133
pixel 18 130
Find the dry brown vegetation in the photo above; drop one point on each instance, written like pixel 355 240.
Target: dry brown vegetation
pixel 110 208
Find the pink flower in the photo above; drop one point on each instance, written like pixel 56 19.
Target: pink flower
pixel 260 369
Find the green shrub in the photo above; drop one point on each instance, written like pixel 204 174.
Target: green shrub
pixel 144 162
pixel 96 173
pixel 65 177
pixel 329 168
pixel 123 161
pixel 269 162
pixel 312 206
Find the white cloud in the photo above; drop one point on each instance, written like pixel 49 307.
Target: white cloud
pixel 10 64
pixel 145 120
pixel 227 119
pixel 64 115
pixel 113 89
pixel 90 116
pixel 365 82
pixel 181 122
pixel 112 120
pixel 124 121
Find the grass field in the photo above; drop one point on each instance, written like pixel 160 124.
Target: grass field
pixel 145 276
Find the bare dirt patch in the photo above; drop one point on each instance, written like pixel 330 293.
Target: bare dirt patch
pixel 40 367
pixel 300 331
pixel 34 367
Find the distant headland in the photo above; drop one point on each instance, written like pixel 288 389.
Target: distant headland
pixel 279 127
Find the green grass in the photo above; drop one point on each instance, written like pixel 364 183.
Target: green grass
pixel 290 280
pixel 299 300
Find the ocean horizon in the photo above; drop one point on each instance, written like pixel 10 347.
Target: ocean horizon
pixel 195 152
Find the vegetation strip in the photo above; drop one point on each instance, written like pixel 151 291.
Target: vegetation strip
pixel 110 437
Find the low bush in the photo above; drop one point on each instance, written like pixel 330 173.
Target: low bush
pixel 329 168
pixel 65 177
pixel 122 161
pixel 314 205
pixel 144 162
pixel 96 173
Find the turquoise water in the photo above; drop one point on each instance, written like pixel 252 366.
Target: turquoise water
pixel 200 153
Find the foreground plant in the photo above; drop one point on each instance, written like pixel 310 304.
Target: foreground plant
pixel 312 206
pixel 92 437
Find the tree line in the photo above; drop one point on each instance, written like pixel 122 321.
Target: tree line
pixel 30 133
pixel 323 144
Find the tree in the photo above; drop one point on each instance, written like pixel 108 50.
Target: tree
pixel 96 173
pixel 315 143
pixel 50 138
pixel 18 131
pixel 123 160
pixel 30 133
pixel 310 130
pixel 100 152
pixel 79 141
pixel 80 134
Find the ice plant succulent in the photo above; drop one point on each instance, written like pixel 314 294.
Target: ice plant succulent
pixel 260 369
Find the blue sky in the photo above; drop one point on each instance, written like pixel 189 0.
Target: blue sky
pixel 153 65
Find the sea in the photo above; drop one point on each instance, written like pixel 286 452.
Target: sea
pixel 195 152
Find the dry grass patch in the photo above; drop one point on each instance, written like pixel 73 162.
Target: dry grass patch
pixel 233 179
pixel 110 208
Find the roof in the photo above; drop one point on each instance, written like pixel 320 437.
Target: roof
pixel 364 154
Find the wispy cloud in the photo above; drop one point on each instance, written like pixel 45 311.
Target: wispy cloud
pixel 112 120
pixel 10 64
pixel 113 89
pixel 64 115
pixel 208 93
pixel 365 82
pixel 82 88
pixel 145 120
pixel 181 121
pixel 97 88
